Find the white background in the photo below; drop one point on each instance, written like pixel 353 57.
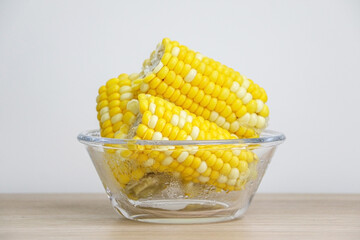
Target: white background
pixel 55 55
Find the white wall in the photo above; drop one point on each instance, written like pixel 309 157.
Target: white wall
pixel 55 54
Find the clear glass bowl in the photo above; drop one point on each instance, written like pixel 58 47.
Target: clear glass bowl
pixel 141 189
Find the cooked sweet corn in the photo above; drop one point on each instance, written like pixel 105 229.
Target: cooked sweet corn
pixel 204 87
pixel 181 95
pixel 111 103
pixel 153 118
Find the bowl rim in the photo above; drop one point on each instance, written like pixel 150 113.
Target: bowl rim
pixel 91 137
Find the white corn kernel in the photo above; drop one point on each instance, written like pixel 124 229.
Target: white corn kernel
pixel 213 116
pixel 260 122
pixel 236 152
pixel 152 108
pixel 104 110
pixel 144 87
pixel 234 126
pixel 182 122
pixel 226 125
pixel 168 152
pixel 195 132
pixel 133 76
pixel 175 51
pixel 244 119
pixel 190 76
pixel 153 121
pixel 202 168
pixel 192 149
pixel 183 114
pixel 260 105
pixel 246 83
pixel 220 121
pixel 182 157
pixel 126 96
pixel 133 106
pixel 149 162
pixel 235 86
pixel 158 67
pixel 199 56
pixel 231 182
pixel 157 136
pixel 234 173
pixel 175 120
pixel 125 89
pixel 105 117
pixel 241 92
pixel 247 98
pixel 116 118
pixel 222 179
pixel 253 120
pixel 167 161
pixel 203 179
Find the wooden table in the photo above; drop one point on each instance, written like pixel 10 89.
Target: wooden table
pixel 90 216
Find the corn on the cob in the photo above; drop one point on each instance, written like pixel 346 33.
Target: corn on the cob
pixel 206 101
pixel 112 104
pixel 153 118
pixel 204 87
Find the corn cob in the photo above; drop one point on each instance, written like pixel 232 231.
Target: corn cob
pixel 112 104
pixel 152 118
pixel 204 87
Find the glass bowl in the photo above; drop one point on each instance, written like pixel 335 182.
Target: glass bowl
pixel 157 181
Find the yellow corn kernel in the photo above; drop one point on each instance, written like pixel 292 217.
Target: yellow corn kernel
pixel 148 134
pixel 123 178
pixel 218 164
pixel 154 82
pixel 265 111
pixel 204 82
pixel 141 130
pixel 243 166
pixel 178 67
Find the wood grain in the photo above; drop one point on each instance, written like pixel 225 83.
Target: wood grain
pixel 90 216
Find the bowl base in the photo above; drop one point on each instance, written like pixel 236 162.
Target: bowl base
pixel 182 220
pixel 178 211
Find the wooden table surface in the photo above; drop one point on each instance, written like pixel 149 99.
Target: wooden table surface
pixel 90 216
